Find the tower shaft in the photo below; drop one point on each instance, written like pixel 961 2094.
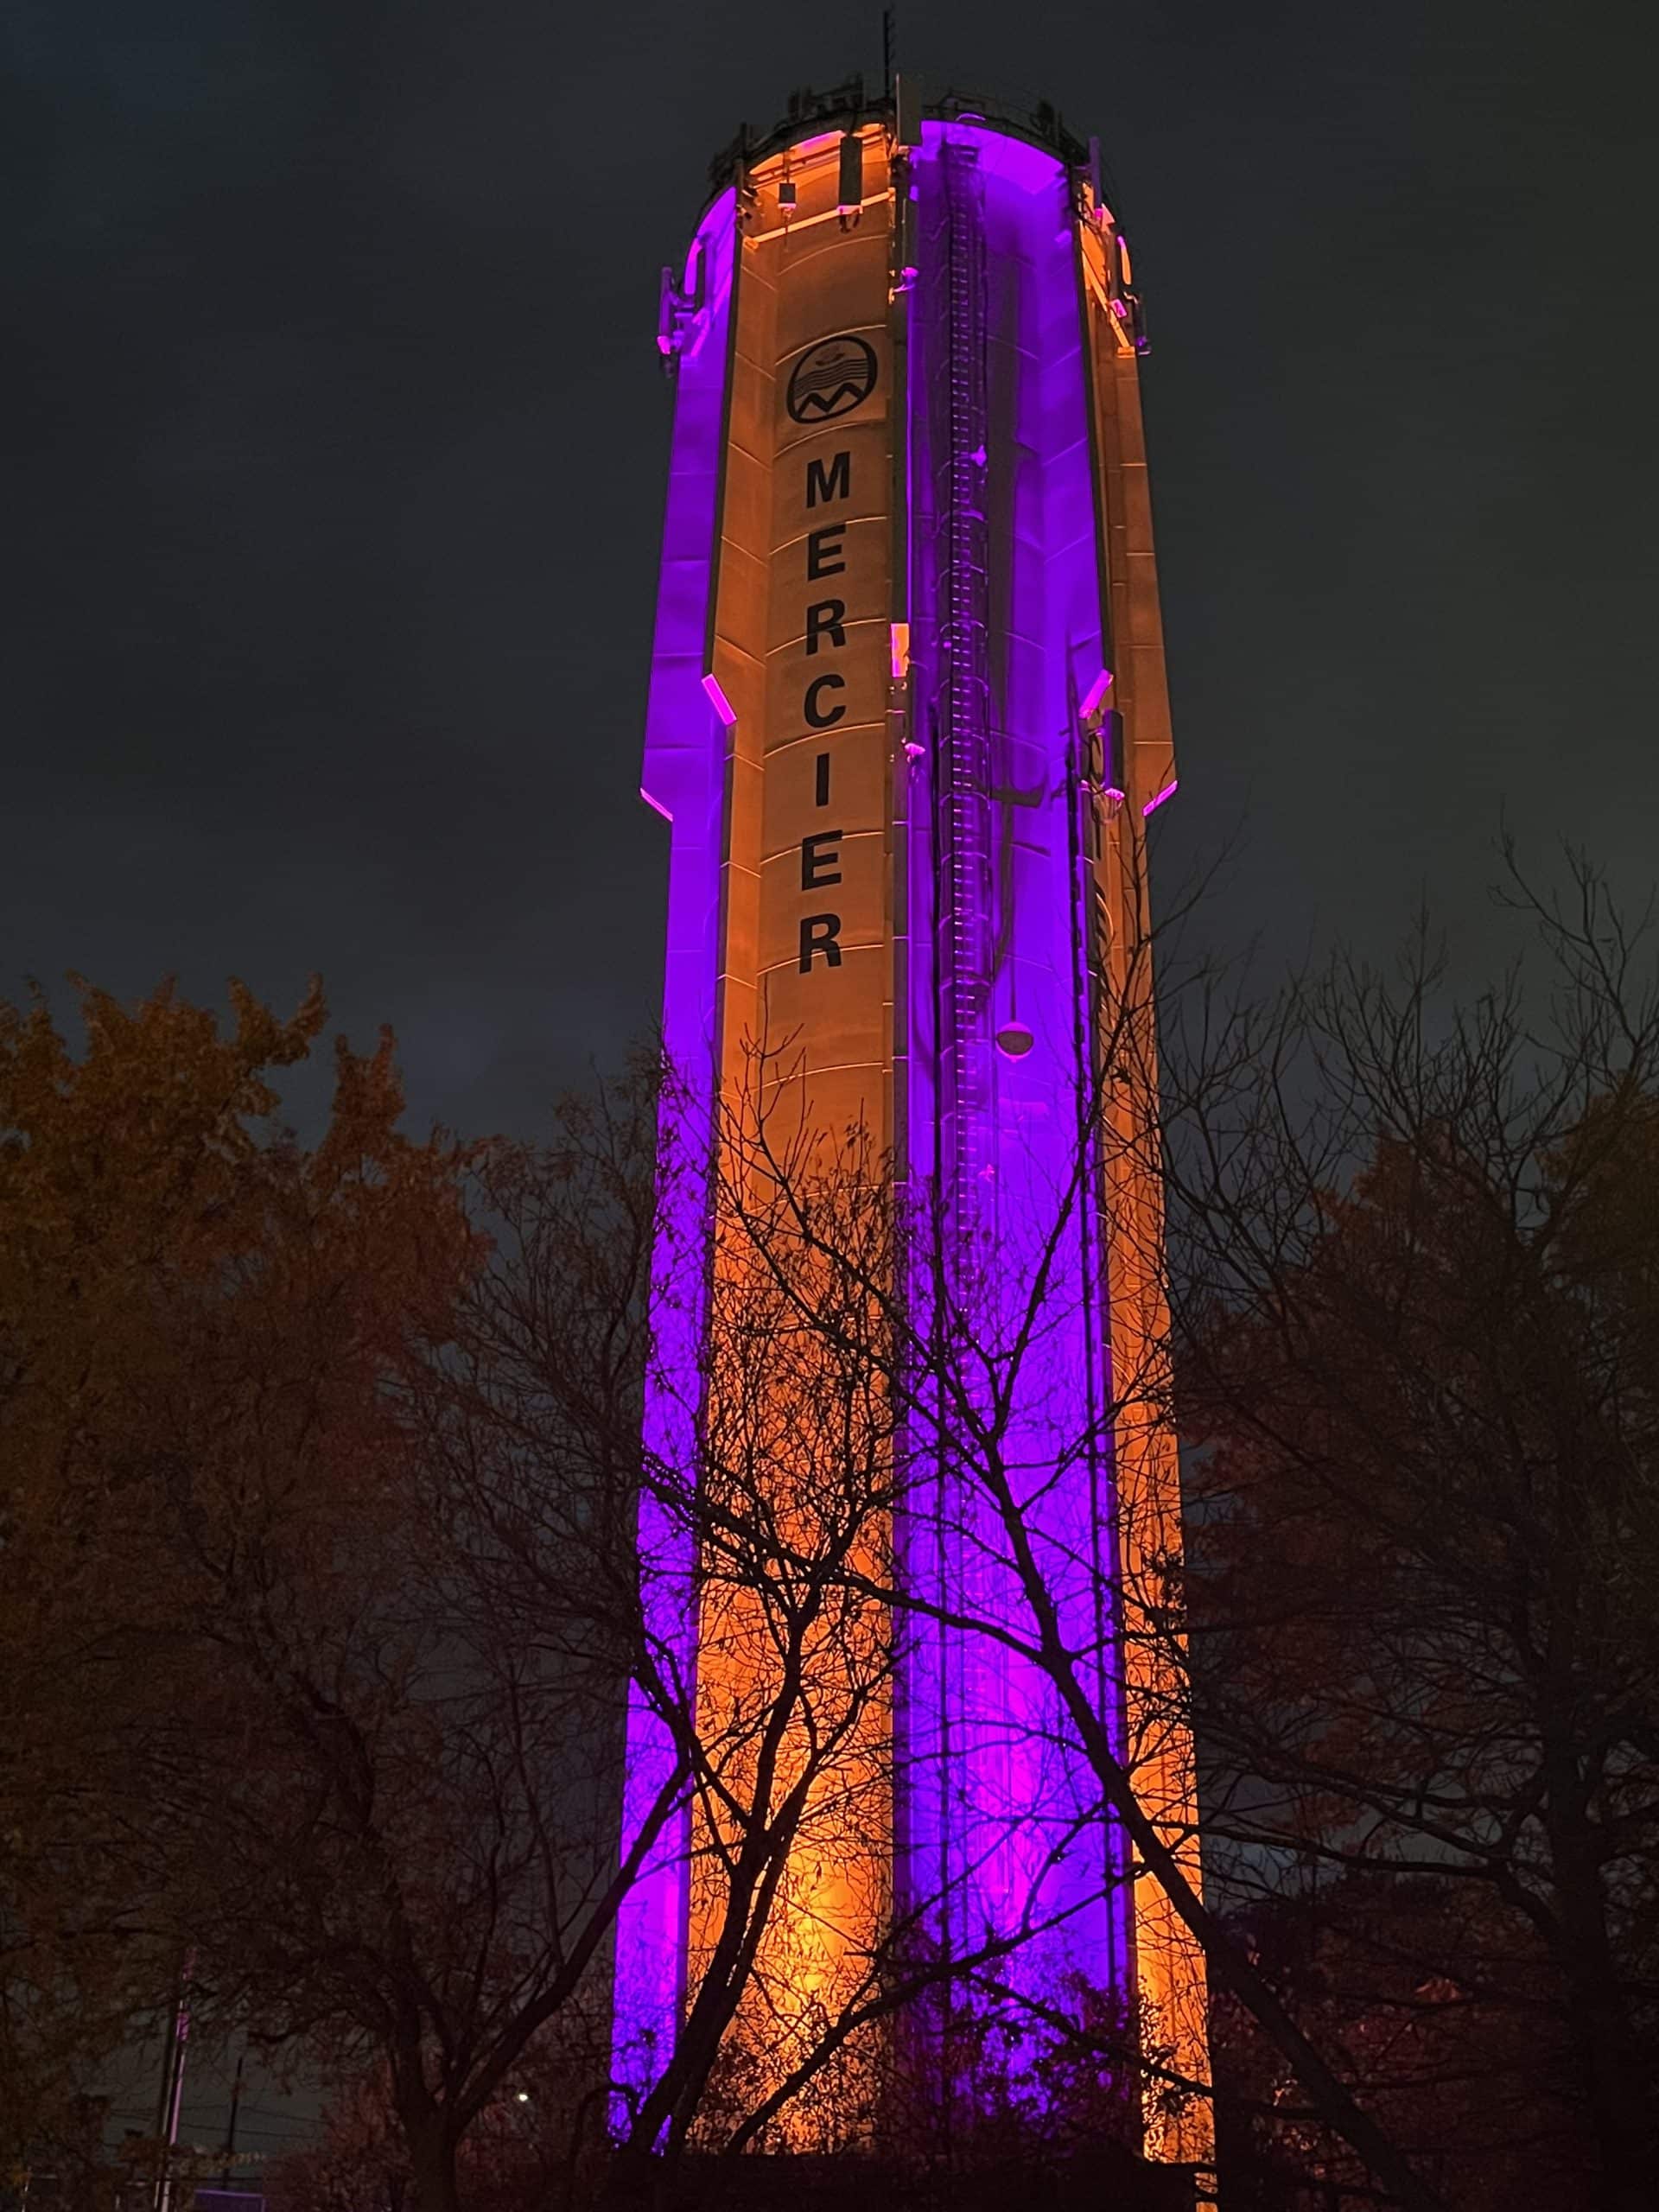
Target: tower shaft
pixel 908 716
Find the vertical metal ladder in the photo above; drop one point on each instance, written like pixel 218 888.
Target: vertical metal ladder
pixel 966 922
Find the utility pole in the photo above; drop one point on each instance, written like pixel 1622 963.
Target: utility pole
pixel 229 2133
pixel 171 2096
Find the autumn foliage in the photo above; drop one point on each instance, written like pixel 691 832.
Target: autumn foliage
pixel 200 1318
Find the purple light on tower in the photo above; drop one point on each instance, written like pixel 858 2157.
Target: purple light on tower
pixel 685 773
pixel 1001 1825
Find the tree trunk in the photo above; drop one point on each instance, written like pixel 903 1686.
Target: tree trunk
pixel 1616 2090
pixel 431 2163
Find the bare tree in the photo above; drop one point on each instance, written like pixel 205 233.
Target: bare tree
pixel 1417 1331
pixel 783 1494
pixel 958 1348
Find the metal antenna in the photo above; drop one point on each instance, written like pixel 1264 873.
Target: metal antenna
pixel 889 41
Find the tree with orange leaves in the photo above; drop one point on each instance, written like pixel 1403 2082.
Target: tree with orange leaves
pixel 199 1319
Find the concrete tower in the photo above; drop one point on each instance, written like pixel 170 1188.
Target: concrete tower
pixel 907 718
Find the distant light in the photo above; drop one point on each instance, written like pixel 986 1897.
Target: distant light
pixel 523 2096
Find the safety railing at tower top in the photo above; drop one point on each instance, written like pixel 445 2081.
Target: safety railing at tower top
pixel 846 106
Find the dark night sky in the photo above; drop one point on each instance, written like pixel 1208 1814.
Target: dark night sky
pixel 335 443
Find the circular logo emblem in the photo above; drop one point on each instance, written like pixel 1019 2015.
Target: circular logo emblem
pixel 831 377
